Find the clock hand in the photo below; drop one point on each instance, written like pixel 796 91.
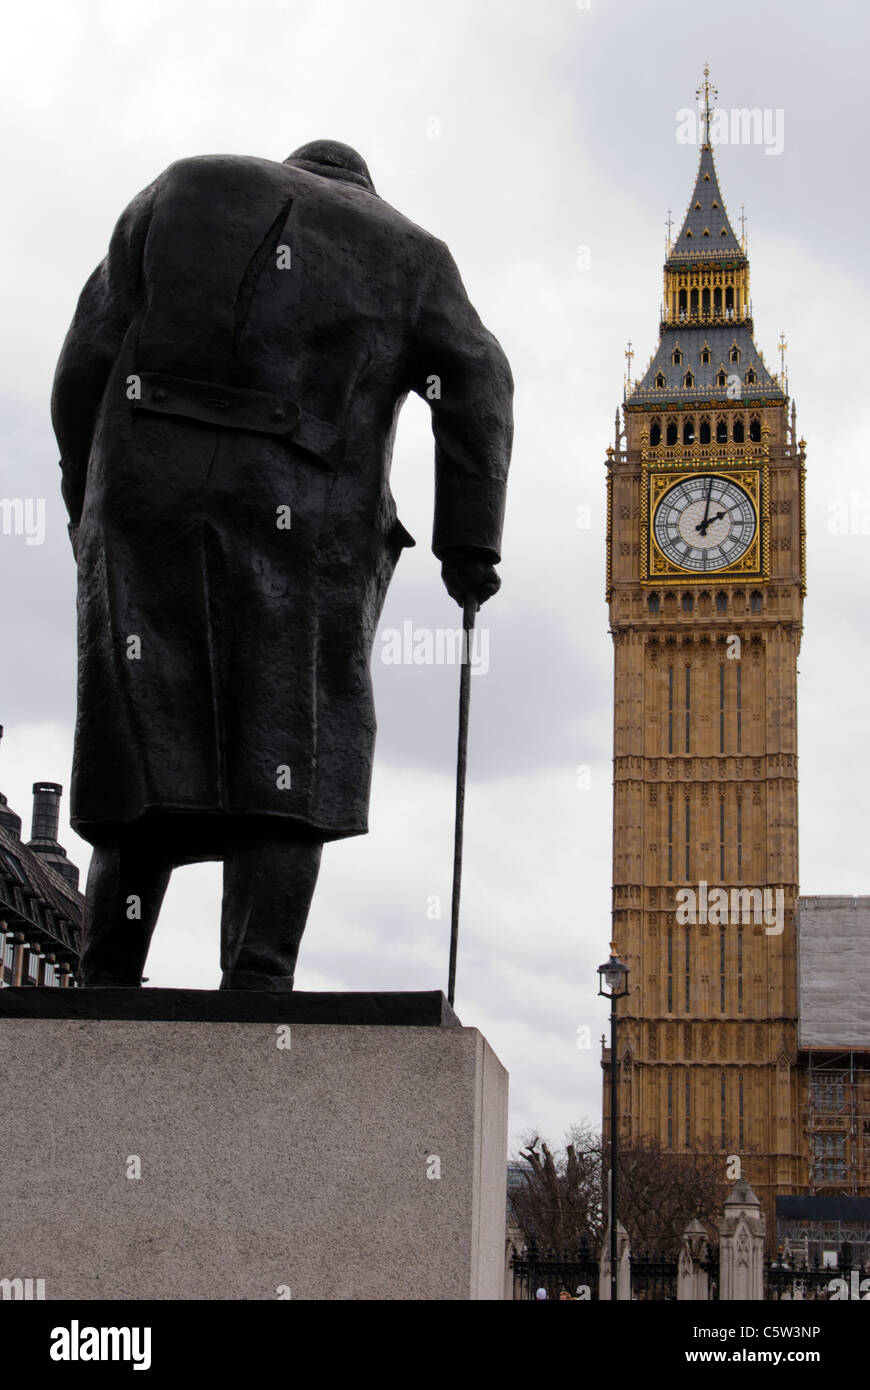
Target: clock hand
pixel 703 527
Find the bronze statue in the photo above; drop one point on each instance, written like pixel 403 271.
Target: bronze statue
pixel 225 405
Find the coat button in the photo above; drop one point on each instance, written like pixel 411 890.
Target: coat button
pixel 160 393
pixel 277 413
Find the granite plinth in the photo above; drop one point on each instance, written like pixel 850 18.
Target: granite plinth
pixel 148 1159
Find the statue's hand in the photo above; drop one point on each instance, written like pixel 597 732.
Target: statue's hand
pixel 466 577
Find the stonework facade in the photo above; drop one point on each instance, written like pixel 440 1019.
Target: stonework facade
pixel 705 586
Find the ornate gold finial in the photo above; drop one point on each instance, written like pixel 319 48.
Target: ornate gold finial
pixel 743 228
pixel 629 353
pixel 669 224
pixel 707 91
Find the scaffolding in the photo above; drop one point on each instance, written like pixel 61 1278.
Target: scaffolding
pixel 838 1123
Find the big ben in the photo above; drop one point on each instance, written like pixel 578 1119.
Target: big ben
pixel 705 586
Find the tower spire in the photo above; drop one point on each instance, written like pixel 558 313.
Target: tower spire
pixel 706 233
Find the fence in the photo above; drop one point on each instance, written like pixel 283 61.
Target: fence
pixel 574 1270
pixel 805 1281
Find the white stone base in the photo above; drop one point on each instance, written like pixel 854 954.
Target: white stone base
pixel 356 1163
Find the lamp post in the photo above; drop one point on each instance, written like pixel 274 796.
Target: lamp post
pixel 613 985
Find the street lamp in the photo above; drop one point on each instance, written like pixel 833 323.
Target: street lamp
pixel 613 982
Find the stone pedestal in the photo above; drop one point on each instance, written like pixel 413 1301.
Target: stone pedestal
pixel 623 1266
pixel 151 1158
pixel 692 1278
pixel 741 1245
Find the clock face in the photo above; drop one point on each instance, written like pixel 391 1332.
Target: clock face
pixel 704 523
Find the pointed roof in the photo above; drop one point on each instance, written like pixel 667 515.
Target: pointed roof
pixel 706 232
pixel 693 344
pixel 742 1195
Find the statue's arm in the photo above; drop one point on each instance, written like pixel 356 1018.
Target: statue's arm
pixel 462 373
pixel 106 307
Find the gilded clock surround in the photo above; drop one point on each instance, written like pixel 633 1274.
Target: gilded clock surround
pixel 658 568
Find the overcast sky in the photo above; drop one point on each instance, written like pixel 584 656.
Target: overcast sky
pixel 518 133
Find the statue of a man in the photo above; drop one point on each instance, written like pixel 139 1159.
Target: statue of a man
pixel 225 405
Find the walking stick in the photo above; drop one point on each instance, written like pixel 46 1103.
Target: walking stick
pixel 468 614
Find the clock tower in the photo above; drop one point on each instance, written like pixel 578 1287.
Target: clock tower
pixel 705 583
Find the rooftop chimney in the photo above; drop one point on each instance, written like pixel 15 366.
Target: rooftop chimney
pixel 43 835
pixel 8 819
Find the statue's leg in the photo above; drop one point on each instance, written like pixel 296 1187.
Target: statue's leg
pixel 127 881
pixel 268 887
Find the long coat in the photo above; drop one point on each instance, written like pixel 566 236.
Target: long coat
pixel 225 405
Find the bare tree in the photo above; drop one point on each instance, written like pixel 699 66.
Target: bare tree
pixel 661 1192
pixel 562 1200
pixel 559 1204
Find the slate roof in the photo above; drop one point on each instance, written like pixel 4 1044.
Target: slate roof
pixel 706 232
pixel 692 246
pixel 36 900
pixel 720 341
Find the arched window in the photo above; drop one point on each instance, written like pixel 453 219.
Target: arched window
pixel 705 431
pixel 655 433
pixel 676 357
pixel 751 378
pixel 705 356
pixel 729 298
pixel 693 300
pixel 717 301
pixel 660 380
pixel 755 429
pixel 688 431
pixel 734 355
pixel 721 430
pixel 688 603
pixel 705 302
pixel 688 379
pixel 737 431
pixel 671 433
pixel 652 603
pixel 721 603
pixel 755 601
pixel 684 301
pixel 722 379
